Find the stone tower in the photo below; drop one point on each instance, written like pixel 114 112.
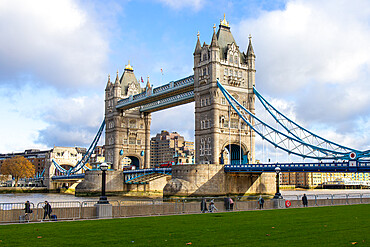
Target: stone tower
pixel 127 133
pixel 222 59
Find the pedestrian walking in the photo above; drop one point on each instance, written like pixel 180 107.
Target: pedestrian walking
pixel 27 210
pixel 47 210
pixel 261 201
pixel 231 204
pixel 212 206
pixel 203 206
pixel 304 200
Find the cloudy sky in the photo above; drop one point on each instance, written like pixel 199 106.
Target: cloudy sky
pixel 313 62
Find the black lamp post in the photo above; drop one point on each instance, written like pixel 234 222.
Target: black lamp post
pixel 103 198
pixel 277 194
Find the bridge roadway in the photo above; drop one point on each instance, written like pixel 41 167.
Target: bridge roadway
pixel 142 176
pixel 169 95
pixel 302 167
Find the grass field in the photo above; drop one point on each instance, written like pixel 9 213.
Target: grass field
pixel 318 226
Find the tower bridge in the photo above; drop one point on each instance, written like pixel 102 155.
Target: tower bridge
pixel 226 125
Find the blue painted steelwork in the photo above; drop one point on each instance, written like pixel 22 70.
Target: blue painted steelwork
pixel 302 167
pixel 159 93
pixel 301 133
pixel 134 174
pixel 167 101
pixel 69 176
pixel 285 142
pixel 82 163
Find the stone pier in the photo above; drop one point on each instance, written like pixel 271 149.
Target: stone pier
pixel 211 180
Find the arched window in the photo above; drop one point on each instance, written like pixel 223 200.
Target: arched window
pixel 236 59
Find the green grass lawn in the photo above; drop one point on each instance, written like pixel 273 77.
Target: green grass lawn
pixel 318 226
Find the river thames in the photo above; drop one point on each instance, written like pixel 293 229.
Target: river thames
pixel 54 197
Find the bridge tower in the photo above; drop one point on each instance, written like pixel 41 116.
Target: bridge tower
pixel 218 129
pixel 127 132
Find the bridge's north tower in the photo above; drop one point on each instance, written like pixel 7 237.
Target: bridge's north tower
pixel 127 132
pixel 218 128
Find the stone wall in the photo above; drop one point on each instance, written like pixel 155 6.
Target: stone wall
pixel 211 180
pixel 92 182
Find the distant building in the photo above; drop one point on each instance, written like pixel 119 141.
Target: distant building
pixel 170 147
pixel 98 155
pixel 43 159
pixel 314 179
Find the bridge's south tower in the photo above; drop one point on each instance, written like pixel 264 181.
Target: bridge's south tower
pixel 218 129
pixel 127 132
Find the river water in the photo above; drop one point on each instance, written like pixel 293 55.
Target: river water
pixel 54 197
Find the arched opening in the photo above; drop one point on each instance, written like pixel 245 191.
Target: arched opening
pixel 237 155
pixel 130 161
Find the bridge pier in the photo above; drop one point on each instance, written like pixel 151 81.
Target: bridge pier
pixel 92 183
pixel 211 180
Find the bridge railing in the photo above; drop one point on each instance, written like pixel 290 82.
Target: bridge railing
pixel 158 90
pixel 15 212
pixel 74 210
pixel 68 210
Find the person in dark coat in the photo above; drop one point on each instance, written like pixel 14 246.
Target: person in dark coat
pixel 304 200
pixel 27 210
pixel 203 206
pixel 261 201
pixel 47 210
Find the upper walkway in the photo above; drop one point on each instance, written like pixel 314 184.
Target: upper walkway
pixel 154 99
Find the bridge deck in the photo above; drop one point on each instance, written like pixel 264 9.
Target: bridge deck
pixel 168 95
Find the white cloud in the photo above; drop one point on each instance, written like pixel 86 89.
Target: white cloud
pixel 310 40
pixel 72 121
pixel 55 42
pixel 318 53
pixel 179 4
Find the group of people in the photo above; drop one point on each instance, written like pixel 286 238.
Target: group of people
pixel 212 207
pixel 28 210
pixel 203 206
pixel 261 201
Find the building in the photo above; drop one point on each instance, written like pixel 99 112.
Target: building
pixel 170 147
pixel 314 179
pixel 127 133
pixel 97 156
pixel 42 159
pixel 217 126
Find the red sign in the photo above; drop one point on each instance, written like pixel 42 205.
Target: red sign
pixel 288 203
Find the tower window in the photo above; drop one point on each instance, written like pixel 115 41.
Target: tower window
pixel 226 71
pixel 132 124
pixel 205 71
pixel 131 141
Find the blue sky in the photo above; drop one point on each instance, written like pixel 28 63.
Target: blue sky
pixel 313 61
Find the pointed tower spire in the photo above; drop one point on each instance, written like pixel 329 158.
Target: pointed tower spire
pixel 214 42
pixel 109 83
pixel 147 84
pixel 117 83
pixel 250 51
pixel 198 47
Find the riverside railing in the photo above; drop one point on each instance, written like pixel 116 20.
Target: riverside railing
pixel 74 210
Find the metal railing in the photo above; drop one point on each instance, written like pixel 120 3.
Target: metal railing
pixel 74 210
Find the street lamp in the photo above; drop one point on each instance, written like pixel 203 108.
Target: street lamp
pixel 103 198
pixel 277 194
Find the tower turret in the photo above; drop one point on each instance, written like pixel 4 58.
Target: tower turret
pixel 197 50
pixel 251 58
pixel 117 87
